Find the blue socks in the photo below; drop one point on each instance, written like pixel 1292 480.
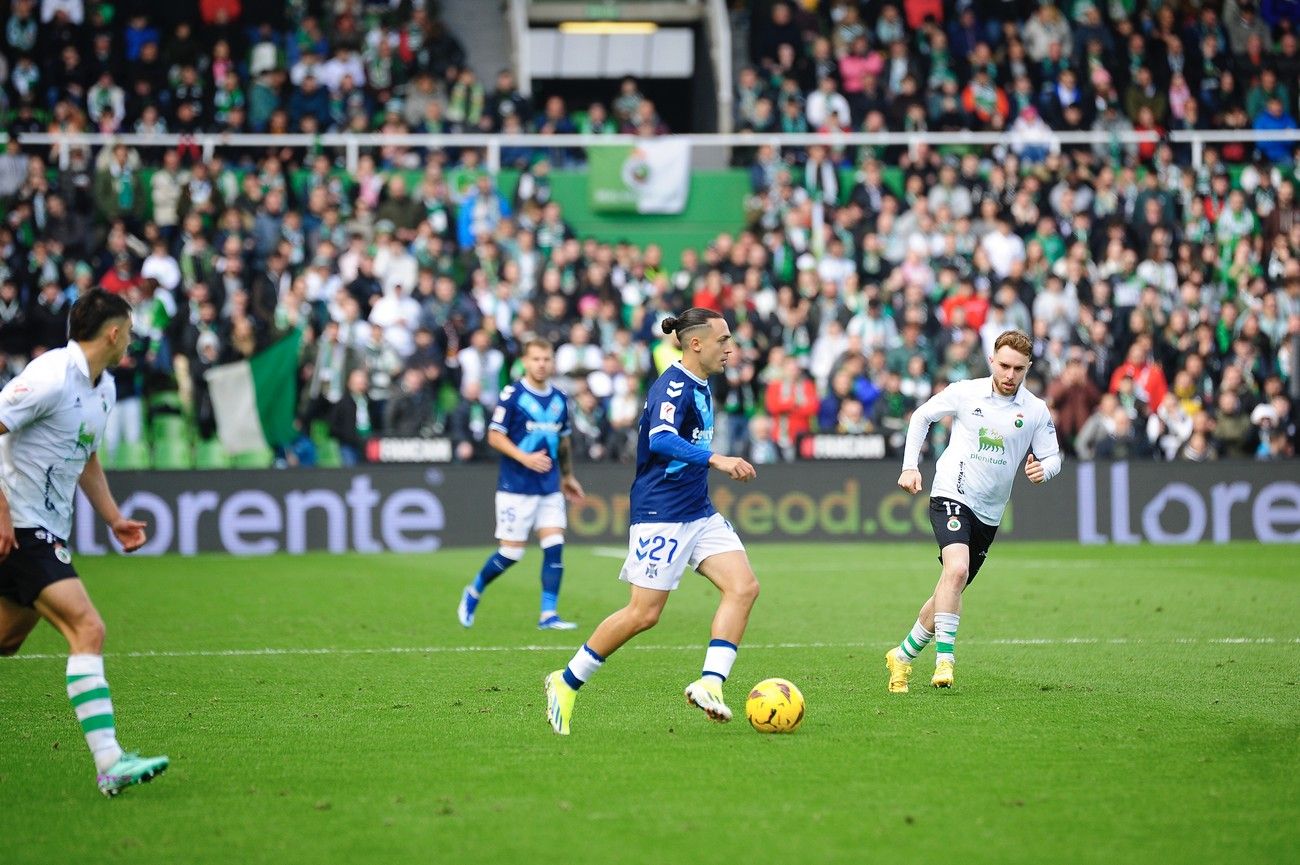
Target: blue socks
pixel 552 572
pixel 495 566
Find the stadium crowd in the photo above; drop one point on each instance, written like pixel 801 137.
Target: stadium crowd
pixel 1163 298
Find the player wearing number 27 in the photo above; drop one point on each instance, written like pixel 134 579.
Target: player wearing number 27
pixel 674 525
pixel 995 423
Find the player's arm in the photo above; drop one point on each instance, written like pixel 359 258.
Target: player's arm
pixel 500 442
pixel 941 405
pixel 539 462
pixel 666 440
pixel 22 402
pixel 1041 469
pixel 129 533
pixel 568 483
pixel 8 541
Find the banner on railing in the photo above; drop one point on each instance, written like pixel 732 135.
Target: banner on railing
pixel 420 509
pixel 650 177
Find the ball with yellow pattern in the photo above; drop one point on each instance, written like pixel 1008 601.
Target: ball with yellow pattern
pixel 775 706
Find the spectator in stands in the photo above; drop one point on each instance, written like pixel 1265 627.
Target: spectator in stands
pixel 791 401
pixel 351 421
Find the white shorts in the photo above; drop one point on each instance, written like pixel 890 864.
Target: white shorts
pixel 658 553
pixel 518 514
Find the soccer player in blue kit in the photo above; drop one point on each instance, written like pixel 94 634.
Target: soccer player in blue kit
pixel 530 429
pixel 674 524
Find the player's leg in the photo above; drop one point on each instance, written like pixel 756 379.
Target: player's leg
pixel 515 515
pixel 947 610
pixel 68 608
pixel 641 614
pixel 657 556
pixel 949 530
pixel 732 574
pixel 551 520
pixel 16 622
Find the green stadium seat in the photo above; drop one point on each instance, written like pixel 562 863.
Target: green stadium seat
pixel 210 455
pixel 254 459
pixel 170 427
pixel 164 402
pixel 131 456
pixel 320 432
pixel 328 454
pixel 173 454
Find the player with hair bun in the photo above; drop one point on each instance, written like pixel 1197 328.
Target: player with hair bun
pixel 674 524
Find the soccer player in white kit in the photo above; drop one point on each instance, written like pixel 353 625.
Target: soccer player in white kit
pixel 52 419
pixel 996 422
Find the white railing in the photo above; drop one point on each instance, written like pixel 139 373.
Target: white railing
pixel 720 45
pixel 352 144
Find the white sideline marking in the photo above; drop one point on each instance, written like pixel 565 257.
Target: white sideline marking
pixel 434 650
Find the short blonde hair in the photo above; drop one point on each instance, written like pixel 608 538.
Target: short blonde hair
pixel 1017 340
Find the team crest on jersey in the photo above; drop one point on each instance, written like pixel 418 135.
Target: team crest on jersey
pixel 954 525
pixel 1020 421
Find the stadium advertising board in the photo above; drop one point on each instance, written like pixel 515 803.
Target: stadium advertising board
pixel 422 508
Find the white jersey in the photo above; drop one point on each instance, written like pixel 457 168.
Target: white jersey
pixel 990 436
pixel 56 417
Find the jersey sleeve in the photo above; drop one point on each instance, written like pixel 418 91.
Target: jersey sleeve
pixel 668 403
pixel 23 402
pixel 566 422
pixel 1045 443
pixel 501 414
pixel 941 405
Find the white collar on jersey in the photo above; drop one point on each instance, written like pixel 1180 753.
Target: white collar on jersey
pixel 694 377
pixel 523 382
pixel 78 356
pixel 1017 399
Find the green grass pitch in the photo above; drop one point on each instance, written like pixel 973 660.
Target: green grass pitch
pixel 1112 705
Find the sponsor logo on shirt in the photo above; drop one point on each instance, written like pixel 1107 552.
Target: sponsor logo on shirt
pixel 991 444
pixel 991 440
pixel 668 412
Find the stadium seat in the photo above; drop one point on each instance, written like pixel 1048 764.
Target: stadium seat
pixel 131 456
pixel 320 432
pixel 170 427
pixel 254 459
pixel 173 454
pixel 164 402
pixel 328 455
pixel 211 455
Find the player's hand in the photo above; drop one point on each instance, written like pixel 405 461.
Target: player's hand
pixel 1034 470
pixel 910 480
pixel 129 533
pixel 539 462
pixel 8 540
pixel 572 490
pixel 737 468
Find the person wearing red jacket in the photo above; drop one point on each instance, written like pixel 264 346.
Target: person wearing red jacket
pixel 220 12
pixel 791 401
pixel 122 278
pixel 976 305
pixel 1148 378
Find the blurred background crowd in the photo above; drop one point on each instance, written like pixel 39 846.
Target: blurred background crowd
pixel 1163 296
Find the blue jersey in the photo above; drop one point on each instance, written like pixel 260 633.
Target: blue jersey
pixel 668 490
pixel 534 422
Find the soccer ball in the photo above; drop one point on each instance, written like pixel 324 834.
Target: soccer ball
pixel 775 706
